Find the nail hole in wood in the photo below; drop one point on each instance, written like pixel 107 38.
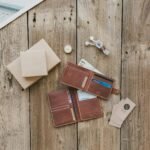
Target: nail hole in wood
pixel 70 19
pixel 34 17
pixel 71 6
pixel 93 1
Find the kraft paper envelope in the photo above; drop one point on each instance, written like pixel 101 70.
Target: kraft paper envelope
pixel 15 67
pixel 33 63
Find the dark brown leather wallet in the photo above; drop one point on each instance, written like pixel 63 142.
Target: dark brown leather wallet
pixel 89 81
pixel 66 108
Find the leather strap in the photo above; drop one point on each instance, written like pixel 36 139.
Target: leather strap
pixel 115 91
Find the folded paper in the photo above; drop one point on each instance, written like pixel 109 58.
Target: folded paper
pixel 51 59
pixel 33 63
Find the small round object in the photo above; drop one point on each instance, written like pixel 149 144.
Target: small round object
pixel 87 43
pixel 126 106
pixel 91 38
pixel 68 49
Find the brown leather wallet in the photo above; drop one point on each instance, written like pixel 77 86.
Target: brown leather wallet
pixel 87 80
pixel 66 108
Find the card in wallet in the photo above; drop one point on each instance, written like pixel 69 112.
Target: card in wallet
pixel 89 81
pixel 66 108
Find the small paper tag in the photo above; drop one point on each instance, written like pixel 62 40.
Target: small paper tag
pixel 121 111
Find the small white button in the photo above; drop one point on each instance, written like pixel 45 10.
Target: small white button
pixel 68 49
pixel 91 38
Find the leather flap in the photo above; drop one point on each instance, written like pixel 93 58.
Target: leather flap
pixel 115 91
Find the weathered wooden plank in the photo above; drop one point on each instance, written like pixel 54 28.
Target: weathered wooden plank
pixel 135 133
pixel 101 19
pixel 14 103
pixel 55 21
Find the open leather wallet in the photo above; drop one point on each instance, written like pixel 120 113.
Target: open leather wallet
pixel 66 107
pixel 88 81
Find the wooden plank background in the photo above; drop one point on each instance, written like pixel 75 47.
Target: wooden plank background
pixel 123 26
pixel 135 133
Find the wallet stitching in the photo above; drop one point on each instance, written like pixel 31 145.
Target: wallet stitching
pixel 72 121
pixel 60 108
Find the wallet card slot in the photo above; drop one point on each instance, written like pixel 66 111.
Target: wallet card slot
pixel 100 86
pixel 63 117
pixel 69 97
pixel 74 96
pixel 90 109
pixel 60 98
pixel 102 83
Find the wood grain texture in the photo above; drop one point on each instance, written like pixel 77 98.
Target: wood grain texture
pixel 56 23
pixel 135 133
pixel 101 19
pixel 14 103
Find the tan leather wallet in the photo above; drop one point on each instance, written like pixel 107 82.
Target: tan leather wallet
pixel 66 108
pixel 81 78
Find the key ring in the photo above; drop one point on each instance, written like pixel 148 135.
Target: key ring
pixel 98 44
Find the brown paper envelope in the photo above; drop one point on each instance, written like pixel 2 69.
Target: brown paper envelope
pixel 15 67
pixel 33 63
